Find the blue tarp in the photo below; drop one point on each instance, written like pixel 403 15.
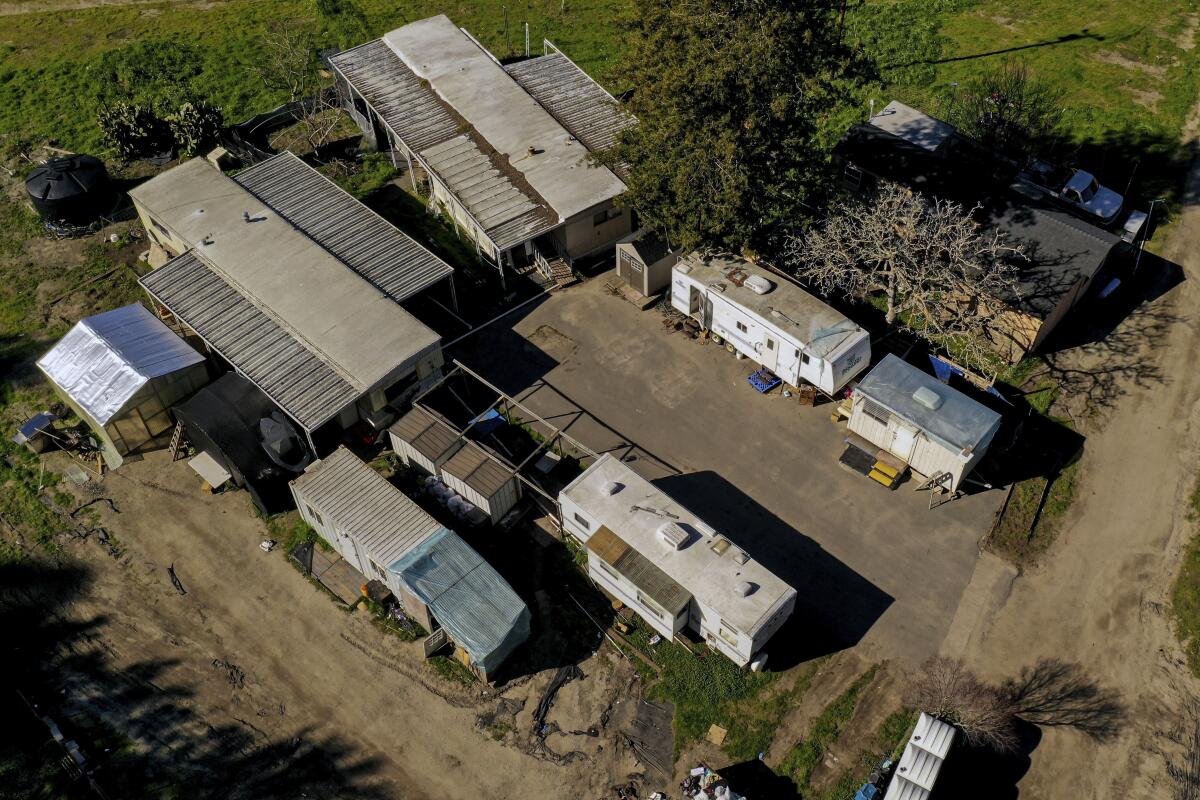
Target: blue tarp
pixel 477 607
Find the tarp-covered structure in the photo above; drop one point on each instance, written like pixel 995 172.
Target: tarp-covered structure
pixel 477 607
pixel 222 419
pixel 121 371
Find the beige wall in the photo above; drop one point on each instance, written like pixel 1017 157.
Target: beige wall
pixel 164 244
pixel 581 236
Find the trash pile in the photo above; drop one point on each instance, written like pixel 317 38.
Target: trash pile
pixel 703 783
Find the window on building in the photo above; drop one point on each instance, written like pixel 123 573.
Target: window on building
pixel 741 326
pixel 770 344
pixel 582 520
pixel 160 227
pixel 651 606
pixel 601 217
pixel 360 106
pixel 607 570
pixel 804 359
pixel 312 512
pixel 728 633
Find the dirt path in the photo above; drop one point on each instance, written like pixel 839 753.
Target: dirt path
pixel 1100 596
pixel 8 9
pixel 362 701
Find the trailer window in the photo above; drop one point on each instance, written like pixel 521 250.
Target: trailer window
pixel 312 512
pixel 605 568
pixel 582 520
pixel 741 326
pixel 876 411
pixel 804 359
pixel 651 606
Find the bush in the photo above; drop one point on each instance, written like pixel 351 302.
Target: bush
pixel 195 126
pixel 133 131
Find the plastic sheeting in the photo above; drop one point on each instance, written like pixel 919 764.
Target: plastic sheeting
pixel 476 606
pixel 105 359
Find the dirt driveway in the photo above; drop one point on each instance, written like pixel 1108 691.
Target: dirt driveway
pixel 1100 596
pixel 321 697
pixel 870 565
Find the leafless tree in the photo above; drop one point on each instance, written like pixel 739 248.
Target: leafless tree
pixel 287 66
pixel 948 690
pixel 1008 110
pixel 942 276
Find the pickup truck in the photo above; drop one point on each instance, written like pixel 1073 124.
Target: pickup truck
pixel 1078 192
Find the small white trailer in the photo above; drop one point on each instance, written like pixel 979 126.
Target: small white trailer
pixel 770 320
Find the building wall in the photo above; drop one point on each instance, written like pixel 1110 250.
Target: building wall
pixel 163 241
pixel 576 521
pixel 627 592
pixel 649 279
pixel 929 457
pixel 462 219
pixel 596 229
pixel 495 506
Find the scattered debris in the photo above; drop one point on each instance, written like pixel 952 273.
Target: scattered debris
pixel 266 545
pixel 717 734
pixel 235 674
pixel 175 580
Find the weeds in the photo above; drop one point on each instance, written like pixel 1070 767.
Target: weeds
pixel 452 670
pixel 802 759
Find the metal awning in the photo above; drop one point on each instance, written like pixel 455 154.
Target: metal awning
pixel 207 468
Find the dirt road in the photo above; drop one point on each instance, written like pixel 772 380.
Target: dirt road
pixel 361 702
pixel 1100 595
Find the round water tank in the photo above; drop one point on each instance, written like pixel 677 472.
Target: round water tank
pixel 73 189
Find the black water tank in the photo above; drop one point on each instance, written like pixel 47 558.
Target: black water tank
pixel 73 189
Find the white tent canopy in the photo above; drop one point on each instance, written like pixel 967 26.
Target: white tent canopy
pixel 105 359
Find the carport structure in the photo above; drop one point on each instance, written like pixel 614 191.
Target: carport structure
pixel 549 437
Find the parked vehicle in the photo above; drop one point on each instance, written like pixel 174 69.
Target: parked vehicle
pixel 1079 192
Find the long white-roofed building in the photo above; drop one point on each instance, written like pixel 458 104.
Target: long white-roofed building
pixel 507 148
pixel 295 285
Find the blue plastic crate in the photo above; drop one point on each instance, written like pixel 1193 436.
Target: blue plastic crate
pixel 764 380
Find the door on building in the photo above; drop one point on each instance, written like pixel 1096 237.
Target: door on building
pixel 904 439
pixel 695 301
pixel 770 351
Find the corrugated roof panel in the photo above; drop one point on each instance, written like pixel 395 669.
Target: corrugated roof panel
pixel 360 238
pixel 428 435
pixel 639 570
pixel 479 469
pixel 275 360
pixel 407 105
pixel 362 504
pixel 105 359
pixel 475 605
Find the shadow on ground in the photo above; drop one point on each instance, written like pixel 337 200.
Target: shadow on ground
pixel 835 606
pixel 140 734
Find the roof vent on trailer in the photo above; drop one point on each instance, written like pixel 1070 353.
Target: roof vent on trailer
pixel 758 284
pixel 740 556
pixel 612 487
pixel 928 398
pixel 674 535
pixel 684 269
pixel 744 589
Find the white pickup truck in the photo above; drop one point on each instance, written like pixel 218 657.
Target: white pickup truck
pixel 1079 192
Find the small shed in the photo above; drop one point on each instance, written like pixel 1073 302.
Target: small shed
pixel 366 519
pixel 933 428
pixel 921 762
pixel 424 440
pixel 121 371
pixel 644 262
pixel 479 610
pixel 482 480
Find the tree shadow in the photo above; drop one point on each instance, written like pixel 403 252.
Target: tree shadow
pixel 1084 35
pixel 755 779
pixel 835 606
pixel 1056 693
pixel 982 773
pixel 138 734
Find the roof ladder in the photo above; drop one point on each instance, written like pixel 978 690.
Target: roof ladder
pixel 937 486
pixel 178 439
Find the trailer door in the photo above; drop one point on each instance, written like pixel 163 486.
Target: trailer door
pixel 770 353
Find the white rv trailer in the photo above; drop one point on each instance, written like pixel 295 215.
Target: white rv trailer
pixel 770 320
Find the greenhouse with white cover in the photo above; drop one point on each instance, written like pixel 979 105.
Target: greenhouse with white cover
pixel 121 371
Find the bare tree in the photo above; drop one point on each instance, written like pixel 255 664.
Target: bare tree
pixel 287 66
pixel 941 275
pixel 948 690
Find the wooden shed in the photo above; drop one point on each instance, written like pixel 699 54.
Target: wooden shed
pixel 644 262
pixel 423 440
pixel 482 480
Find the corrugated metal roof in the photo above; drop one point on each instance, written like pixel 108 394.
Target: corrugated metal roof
pixel 360 238
pixel 475 605
pixel 362 504
pixel 579 104
pixel 276 360
pixel 428 435
pixel 922 759
pixel 479 469
pixel 507 214
pixel 959 422
pixel 406 104
pixel 105 359
pixel 639 570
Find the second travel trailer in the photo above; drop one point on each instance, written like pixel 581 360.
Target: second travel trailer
pixel 770 320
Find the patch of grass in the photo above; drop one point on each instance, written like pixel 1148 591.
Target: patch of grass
pixel 1185 604
pixel 754 725
pixel 389 624
pixel 499 730
pixel 706 687
pixel 452 670
pixel 886 743
pixel 18 224
pixel 804 757
pixel 1033 516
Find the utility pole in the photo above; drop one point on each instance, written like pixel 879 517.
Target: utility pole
pixel 527 40
pixel 507 43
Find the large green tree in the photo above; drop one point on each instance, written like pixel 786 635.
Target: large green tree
pixel 737 102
